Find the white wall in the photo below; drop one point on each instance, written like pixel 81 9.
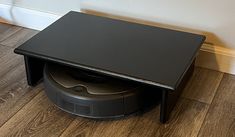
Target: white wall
pixel 58 7
pixel 215 18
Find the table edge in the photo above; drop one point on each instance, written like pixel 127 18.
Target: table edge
pixel 80 66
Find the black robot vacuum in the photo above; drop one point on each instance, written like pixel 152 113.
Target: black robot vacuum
pixel 93 95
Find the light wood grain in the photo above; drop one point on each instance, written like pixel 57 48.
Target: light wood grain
pixel 203 85
pixel 114 128
pixel 14 92
pixel 7 30
pixel 4 27
pixel 147 124
pixel 220 120
pixel 106 128
pixel 19 37
pixel 38 118
pixel 186 119
pixel 80 127
pixel 8 61
pixel 3 50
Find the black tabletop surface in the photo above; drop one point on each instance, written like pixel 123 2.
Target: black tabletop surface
pixel 147 54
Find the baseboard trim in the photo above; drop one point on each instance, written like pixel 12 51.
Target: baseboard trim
pixel 26 17
pixel 217 58
pixel 210 56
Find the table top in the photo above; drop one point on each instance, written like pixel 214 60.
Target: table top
pixel 147 54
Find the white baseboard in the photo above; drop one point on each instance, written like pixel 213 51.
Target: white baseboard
pixel 26 17
pixel 210 56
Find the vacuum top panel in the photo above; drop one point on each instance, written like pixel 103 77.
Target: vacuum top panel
pixel 94 83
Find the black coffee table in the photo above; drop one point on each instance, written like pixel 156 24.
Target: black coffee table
pixel 150 55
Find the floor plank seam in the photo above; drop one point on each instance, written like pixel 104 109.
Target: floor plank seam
pixel 21 108
pixel 133 127
pixel 8 46
pixel 194 100
pixel 10 35
pixel 12 68
pixel 208 69
pixel 67 127
pixel 203 121
pixel 209 107
pixel 3 46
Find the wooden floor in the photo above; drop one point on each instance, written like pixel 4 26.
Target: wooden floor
pixel 206 107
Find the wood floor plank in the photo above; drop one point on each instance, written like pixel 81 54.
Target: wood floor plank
pixel 3 50
pixel 79 127
pixel 19 37
pixel 220 120
pixel 185 121
pixel 147 124
pixel 7 30
pixel 11 73
pixel 114 128
pixel 14 92
pixel 203 85
pixel 38 118
pixel 8 61
pixel 97 128
pixel 4 27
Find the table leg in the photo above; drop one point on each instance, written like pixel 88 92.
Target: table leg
pixel 34 70
pixel 169 98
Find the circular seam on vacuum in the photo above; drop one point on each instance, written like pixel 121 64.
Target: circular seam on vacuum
pixel 110 98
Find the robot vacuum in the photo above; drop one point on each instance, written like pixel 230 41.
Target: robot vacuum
pixel 92 95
